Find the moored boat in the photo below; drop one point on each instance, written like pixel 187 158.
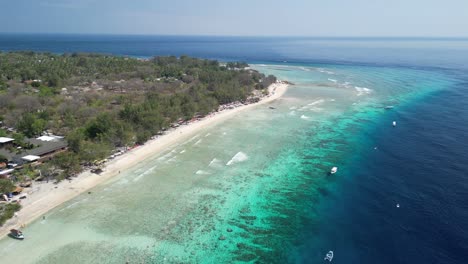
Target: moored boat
pixel 334 170
pixel 17 234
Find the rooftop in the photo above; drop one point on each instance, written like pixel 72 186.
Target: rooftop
pixel 42 146
pixel 31 158
pixel 45 146
pixel 5 140
pixel 49 138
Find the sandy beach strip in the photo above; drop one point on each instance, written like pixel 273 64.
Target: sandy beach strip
pixel 43 197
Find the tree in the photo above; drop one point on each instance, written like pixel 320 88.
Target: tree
pixel 6 186
pixel 3 85
pixel 30 125
pixel 100 127
pixel 19 139
pixel 54 81
pixel 75 139
pixel 7 211
pixel 68 162
pixel 92 151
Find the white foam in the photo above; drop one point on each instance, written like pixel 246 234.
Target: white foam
pixel 346 84
pixel 317 102
pixel 332 100
pixel 137 178
pixel 172 159
pixel 239 157
pixel 215 163
pixel 304 117
pixel 183 151
pixel 325 71
pixel 332 80
pixel 193 138
pixel 74 204
pixel 166 156
pixel 292 107
pixel 292 113
pixel 362 90
pixel 316 109
pixel 198 142
pixel 202 172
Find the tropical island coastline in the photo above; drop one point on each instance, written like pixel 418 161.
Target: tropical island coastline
pixel 45 196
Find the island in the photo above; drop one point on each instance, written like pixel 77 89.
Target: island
pixel 62 115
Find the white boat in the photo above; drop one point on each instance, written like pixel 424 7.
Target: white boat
pixel 329 256
pixel 334 170
pixel 394 123
pixel 15 233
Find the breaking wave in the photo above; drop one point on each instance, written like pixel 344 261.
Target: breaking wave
pixel 215 163
pixel 322 70
pixel 317 102
pixel 362 90
pixel 239 157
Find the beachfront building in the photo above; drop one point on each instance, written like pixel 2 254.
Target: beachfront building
pixel 44 148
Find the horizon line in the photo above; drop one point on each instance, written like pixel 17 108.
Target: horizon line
pixel 246 36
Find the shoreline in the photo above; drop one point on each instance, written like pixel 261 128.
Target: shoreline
pixel 43 197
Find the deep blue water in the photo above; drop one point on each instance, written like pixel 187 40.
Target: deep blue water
pixel 434 52
pixel 422 164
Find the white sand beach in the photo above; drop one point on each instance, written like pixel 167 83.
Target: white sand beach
pixel 43 197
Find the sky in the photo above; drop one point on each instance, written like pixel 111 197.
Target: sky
pixel 402 18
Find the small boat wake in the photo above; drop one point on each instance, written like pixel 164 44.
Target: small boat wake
pixel 329 256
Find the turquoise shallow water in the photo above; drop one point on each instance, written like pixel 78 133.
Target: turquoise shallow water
pixel 262 175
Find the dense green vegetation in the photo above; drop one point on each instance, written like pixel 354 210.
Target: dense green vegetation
pixel 102 102
pixel 6 186
pixel 7 211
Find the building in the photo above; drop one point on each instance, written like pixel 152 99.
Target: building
pixel 44 148
pixel 6 142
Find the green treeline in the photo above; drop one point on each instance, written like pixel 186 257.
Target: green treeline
pixel 101 102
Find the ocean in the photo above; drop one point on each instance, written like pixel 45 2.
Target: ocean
pixel 256 188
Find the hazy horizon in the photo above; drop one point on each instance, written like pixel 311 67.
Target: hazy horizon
pixel 275 18
pixel 246 36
